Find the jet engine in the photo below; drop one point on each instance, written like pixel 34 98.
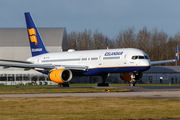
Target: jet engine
pixel 127 76
pixel 60 75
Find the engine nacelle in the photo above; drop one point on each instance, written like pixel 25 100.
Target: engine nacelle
pixel 127 76
pixel 60 75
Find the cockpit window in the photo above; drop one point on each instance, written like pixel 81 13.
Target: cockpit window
pixel 136 57
pixel 133 57
pixel 140 57
pixel 146 57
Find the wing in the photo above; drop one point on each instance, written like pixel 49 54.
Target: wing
pixel 27 65
pixel 162 62
pixel 167 61
pixel 17 61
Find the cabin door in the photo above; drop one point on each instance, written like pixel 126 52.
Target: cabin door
pixel 125 58
pixel 100 59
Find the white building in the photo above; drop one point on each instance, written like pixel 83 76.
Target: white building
pixel 14 44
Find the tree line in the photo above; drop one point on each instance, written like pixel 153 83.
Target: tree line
pixel 158 45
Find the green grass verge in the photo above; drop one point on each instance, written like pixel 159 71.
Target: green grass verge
pixel 75 108
pixel 63 90
pixel 54 89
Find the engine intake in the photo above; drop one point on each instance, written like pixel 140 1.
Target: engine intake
pixel 127 76
pixel 60 75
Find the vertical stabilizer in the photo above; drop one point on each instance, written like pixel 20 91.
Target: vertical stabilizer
pixel 36 43
pixel 177 53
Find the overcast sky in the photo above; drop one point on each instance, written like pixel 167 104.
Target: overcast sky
pixel 108 16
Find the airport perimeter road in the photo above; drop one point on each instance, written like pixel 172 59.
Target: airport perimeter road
pixel 156 95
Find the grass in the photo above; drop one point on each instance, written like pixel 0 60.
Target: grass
pixel 10 89
pixel 57 90
pixel 74 108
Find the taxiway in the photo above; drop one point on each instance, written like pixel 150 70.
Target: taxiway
pixel 156 92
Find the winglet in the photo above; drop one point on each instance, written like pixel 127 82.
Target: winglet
pixel 177 53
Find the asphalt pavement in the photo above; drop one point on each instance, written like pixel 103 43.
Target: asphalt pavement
pixel 156 92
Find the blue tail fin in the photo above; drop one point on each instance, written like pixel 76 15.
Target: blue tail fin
pixel 177 53
pixel 36 43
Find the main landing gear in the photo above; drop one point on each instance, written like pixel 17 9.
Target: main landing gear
pixel 103 84
pixel 63 84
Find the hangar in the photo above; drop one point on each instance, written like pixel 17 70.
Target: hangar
pixel 168 74
pixel 14 44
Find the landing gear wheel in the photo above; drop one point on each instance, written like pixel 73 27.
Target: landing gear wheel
pixel 60 85
pixel 132 84
pixel 63 85
pixel 103 85
pixel 107 84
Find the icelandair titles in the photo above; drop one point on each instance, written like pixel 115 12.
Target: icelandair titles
pixel 113 53
pixel 37 50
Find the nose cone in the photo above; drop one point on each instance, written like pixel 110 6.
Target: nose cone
pixel 146 64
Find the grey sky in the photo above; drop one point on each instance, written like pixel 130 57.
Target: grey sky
pixel 108 16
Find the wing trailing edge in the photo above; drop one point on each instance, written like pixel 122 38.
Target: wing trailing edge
pixel 16 61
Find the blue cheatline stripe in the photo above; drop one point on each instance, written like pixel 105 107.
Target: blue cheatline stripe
pixel 99 71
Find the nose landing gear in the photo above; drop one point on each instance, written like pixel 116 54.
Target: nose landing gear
pixel 132 82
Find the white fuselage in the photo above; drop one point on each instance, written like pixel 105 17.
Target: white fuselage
pixel 106 60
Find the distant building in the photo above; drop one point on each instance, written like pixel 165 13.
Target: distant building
pixel 168 74
pixel 14 44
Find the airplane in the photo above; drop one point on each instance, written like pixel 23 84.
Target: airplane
pixel 62 66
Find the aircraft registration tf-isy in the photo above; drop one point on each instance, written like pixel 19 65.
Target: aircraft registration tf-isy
pixel 62 66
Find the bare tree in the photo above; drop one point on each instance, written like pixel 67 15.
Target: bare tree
pixel 99 40
pixel 72 38
pixel 143 40
pixel 126 39
pixel 157 44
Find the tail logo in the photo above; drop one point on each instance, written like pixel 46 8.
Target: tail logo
pixel 32 35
